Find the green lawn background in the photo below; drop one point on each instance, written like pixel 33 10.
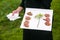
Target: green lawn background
pixel 11 31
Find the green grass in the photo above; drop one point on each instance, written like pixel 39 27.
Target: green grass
pixel 11 31
pixel 56 23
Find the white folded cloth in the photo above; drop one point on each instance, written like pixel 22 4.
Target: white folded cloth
pixel 13 17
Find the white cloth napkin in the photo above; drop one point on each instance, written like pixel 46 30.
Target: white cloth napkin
pixel 13 17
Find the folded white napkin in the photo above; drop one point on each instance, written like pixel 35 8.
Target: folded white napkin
pixel 13 17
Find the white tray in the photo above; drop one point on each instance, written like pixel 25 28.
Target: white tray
pixel 34 22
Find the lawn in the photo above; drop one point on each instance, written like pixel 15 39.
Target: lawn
pixel 11 31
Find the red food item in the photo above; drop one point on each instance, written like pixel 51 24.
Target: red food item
pixel 47 15
pixel 47 24
pixel 26 23
pixel 47 19
pixel 29 13
pixel 27 18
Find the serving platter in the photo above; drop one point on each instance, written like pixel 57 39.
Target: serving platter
pixel 37 19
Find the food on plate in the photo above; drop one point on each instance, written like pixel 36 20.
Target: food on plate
pixel 27 18
pixel 29 13
pixel 47 15
pixel 38 16
pixel 47 23
pixel 26 23
pixel 47 19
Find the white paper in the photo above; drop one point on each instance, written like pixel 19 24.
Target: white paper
pixel 13 17
pixel 33 23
